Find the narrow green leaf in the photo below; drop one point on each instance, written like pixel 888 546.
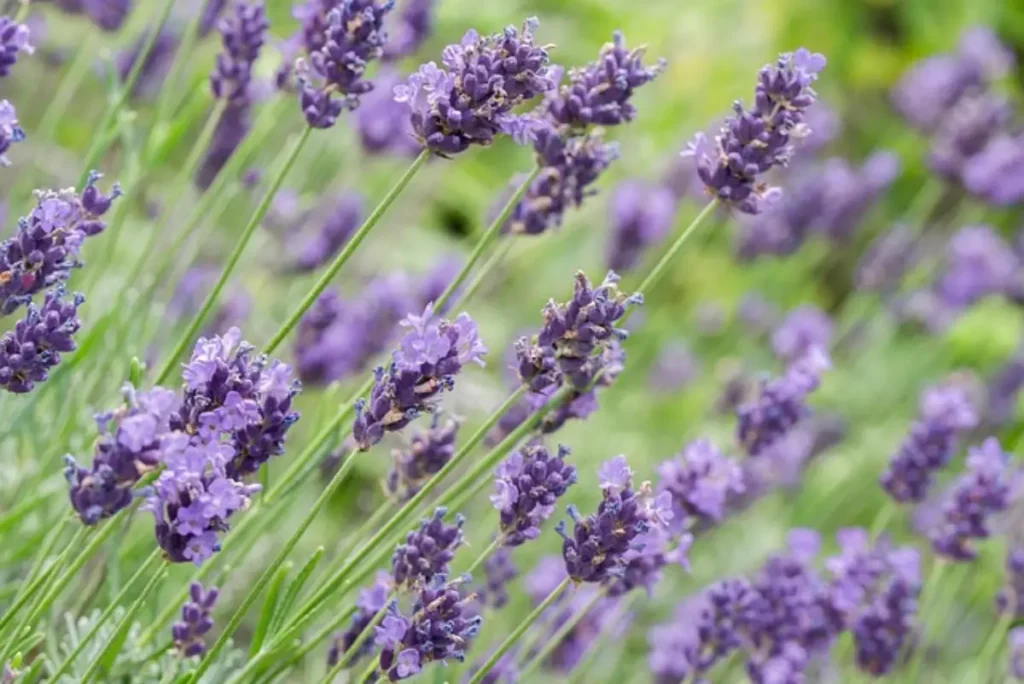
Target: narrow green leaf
pixel 269 608
pixel 294 589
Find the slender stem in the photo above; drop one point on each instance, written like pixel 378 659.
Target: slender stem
pixel 346 253
pixel 100 139
pixel 499 255
pixel 181 56
pixel 991 647
pixel 268 573
pixel 659 268
pixel 484 555
pixel 188 337
pixel 102 619
pixel 583 665
pixel 489 236
pixel 125 622
pixel 352 650
pixel 496 655
pixel 367 673
pixel 555 639
pixel 882 518
pixel 919 653
pixel 22 11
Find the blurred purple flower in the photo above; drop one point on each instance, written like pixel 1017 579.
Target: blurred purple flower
pixel 978 263
pixel 996 174
pixel 886 260
pixel 339 225
pixel 675 367
pixel 156 66
pixel 10 131
pixel 14 39
pixel 383 123
pixel 805 327
pixel 409 28
pixel 699 481
pixel 371 599
pixel 641 215
pixel 499 571
pixel 965 131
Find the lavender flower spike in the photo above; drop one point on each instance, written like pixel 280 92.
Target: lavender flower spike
pixel 428 452
pixel 13 39
pixel 943 413
pixel 431 354
pixel 34 346
pixel 10 131
pixel 805 328
pixel 195 621
pixel 641 215
pixel 128 446
pixel 371 600
pixel 528 484
pixel 243 33
pixel 780 405
pixel 600 93
pixel 756 140
pixel 470 100
pixel 985 490
pixel 426 551
pixel 700 481
pixel 499 570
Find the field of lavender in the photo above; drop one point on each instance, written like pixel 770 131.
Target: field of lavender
pixel 533 340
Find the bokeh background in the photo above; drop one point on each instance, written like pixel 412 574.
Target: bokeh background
pixel 689 344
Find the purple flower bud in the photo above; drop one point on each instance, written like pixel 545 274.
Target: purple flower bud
pixel 427 551
pixel 756 140
pixel 14 38
pixel 805 328
pixel 699 480
pixel 441 627
pixel 780 405
pixel 371 600
pixel 470 100
pixel 428 452
pixel 46 245
pixel 527 485
pixel 429 357
pixel 600 92
pixel 34 346
pixel 195 621
pixel 641 216
pixel 409 28
pixel 10 131
pixel 129 445
pixel 942 414
pixel 985 490
pixel 569 165
pixel 243 33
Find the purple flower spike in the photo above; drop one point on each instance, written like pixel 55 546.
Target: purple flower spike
pixel 428 452
pixel 231 395
pixel 129 446
pixel 13 39
pixel 599 545
pixel 996 174
pixel 426 551
pixel 46 245
pixel 643 562
pixel 805 328
pixel 759 139
pixel 231 130
pixel 978 263
pixel 700 482
pixel 410 28
pixel 887 260
pixel 780 405
pixel 528 484
pixel 965 131
pixel 1010 598
pixel 985 490
pixel 874 590
pixel 600 92
pixel 243 33
pixel 568 167
pixel 10 131
pixel 429 357
pixel 470 100
pixel 195 621
pixel 35 345
pixel 382 123
pixel 371 600
pixel 943 413
pixel 499 571
pixel 343 220
pixel 641 216
pixel 441 627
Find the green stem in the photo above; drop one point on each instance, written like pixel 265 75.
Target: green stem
pixel 188 337
pixel 552 642
pixel 346 253
pixel 125 622
pixel 478 280
pixel 22 11
pixel 268 573
pixel 100 139
pixel 659 268
pixel 991 647
pixel 102 620
pixel 489 236
pixel 921 647
pixel 518 632
pixel 352 650
pixel 181 55
pixel 882 518
pixel 367 674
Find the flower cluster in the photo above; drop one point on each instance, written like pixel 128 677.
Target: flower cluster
pixel 14 39
pixel 340 223
pixel 440 627
pixel 805 328
pixel 10 131
pixel 232 395
pixel 699 481
pixel 965 131
pixel 996 174
pixel 426 454
pixel 430 355
pixel 471 99
pixel 371 600
pixel 242 33
pixel 599 544
pixel 410 28
pixel 874 590
pixel 943 413
pixel 195 621
pixel 527 485
pixel 780 405
pixel 45 247
pixel 756 140
pixel 426 551
pixel 641 215
pixel 978 263
pixel 233 126
pixel 341 39
pixel 984 491
pixel 382 123
pixel 34 345
pixel 130 444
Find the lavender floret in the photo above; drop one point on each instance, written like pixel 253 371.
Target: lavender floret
pixel 1010 599
pixel 14 39
pixel 527 485
pixel 243 33
pixel 805 328
pixel 427 453
pixel 195 621
pixel 10 131
pixel 35 345
pixel 427 551
pixel 499 570
pixel 700 481
pixel 371 600
pixel 965 131
pixel 996 174
pixel 641 216
pixel 978 263
pixel 382 123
